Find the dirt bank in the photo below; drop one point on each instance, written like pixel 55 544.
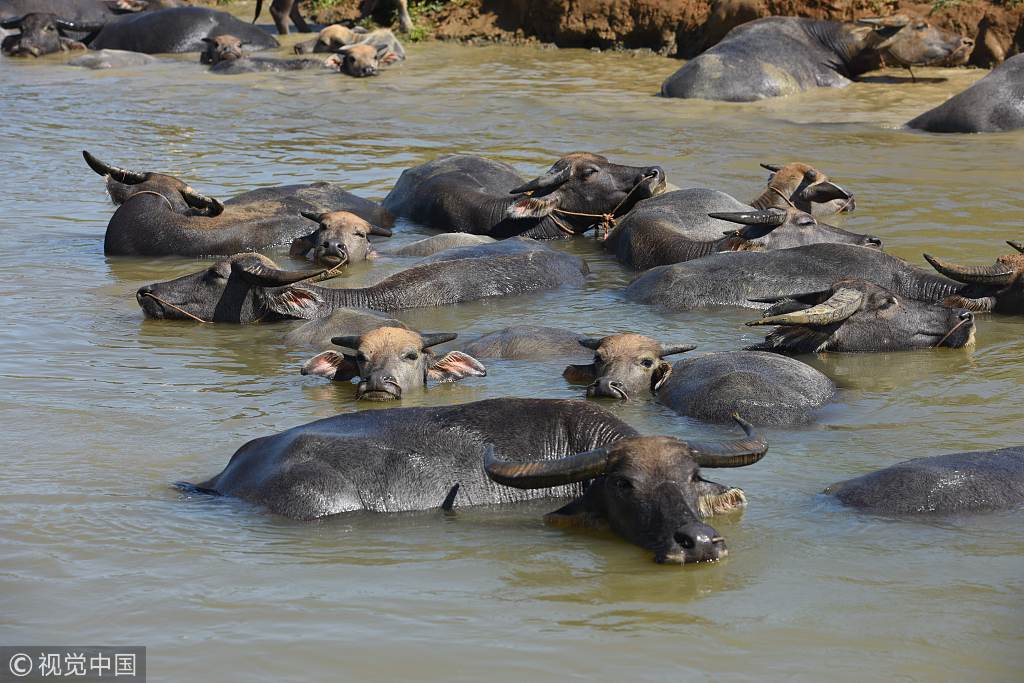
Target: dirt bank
pixel 684 27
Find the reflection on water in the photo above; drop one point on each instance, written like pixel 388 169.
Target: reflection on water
pixel 103 410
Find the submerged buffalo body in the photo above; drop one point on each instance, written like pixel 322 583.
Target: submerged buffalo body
pixel 942 484
pixel 528 342
pixel 179 29
pixel 249 287
pixel 778 56
pixel 319 332
pixel 764 388
pixel 647 489
pixel 748 279
pixel 160 215
pixel 111 59
pixel 995 103
pixel 463 193
pixel 431 245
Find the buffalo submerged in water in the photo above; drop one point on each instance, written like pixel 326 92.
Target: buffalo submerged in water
pixel 778 56
pixel 649 490
pixel 993 104
pixel 250 287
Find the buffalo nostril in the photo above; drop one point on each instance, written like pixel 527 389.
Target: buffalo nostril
pixel 143 291
pixel 685 540
pixel 617 385
pixel 966 315
pixel 874 241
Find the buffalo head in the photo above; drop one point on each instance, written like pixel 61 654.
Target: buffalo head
pixel 908 42
pixel 362 59
pixel 342 237
pixel 803 186
pixel 855 315
pixel 223 48
pixel 42 34
pixel 390 361
pixel 583 183
pixel 123 183
pixel 791 227
pixel 240 289
pixel 647 489
pixel 998 287
pixel 625 365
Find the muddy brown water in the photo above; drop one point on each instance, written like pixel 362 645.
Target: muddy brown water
pixel 102 409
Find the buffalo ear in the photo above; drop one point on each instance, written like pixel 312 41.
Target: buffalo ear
pixel 575 515
pixel 209 41
pixel 533 207
pixel 332 365
pixel 660 375
pixel 580 374
pixel 68 44
pixel 386 57
pixel 295 302
pixel 455 365
pixel 301 245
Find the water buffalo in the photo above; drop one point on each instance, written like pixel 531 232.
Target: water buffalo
pixel 803 187
pixel 226 55
pixel 855 315
pixel 663 230
pixel 778 56
pixel 160 215
pixel 528 342
pixel 751 278
pixel 649 489
pixel 111 59
pixel 995 103
pixel 341 237
pixel 179 29
pixel 764 387
pixel 331 39
pixel 85 12
pixel 249 287
pixel 942 484
pixel 41 34
pixel 318 332
pixel 364 58
pixel 462 193
pixel 391 361
pixel 431 245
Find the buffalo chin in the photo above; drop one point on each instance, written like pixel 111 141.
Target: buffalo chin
pixel 376 395
pixel 681 557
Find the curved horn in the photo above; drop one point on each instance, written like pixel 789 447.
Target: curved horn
pixel 996 274
pixel 379 230
pixel 259 8
pixel 66 25
pixel 766 217
pixel 550 179
pixel 209 205
pixel 121 175
pixel 771 167
pixel 1019 246
pixel 591 343
pixel 673 350
pixel 265 276
pixel 738 453
pixel 12 22
pixel 840 306
pixel 544 473
pixel 349 341
pixel 433 339
pixel 311 215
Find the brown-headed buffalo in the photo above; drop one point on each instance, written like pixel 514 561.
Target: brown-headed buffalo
pixel 160 215
pixel 178 29
pixel 767 388
pixel 365 58
pixel 956 482
pixel 751 278
pixel 856 315
pixel 649 489
pixel 995 103
pixel 778 56
pixel 392 361
pixel 249 287
pixel 341 237
pixel 226 55
pixel 462 193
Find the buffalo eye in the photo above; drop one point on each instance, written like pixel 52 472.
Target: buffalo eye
pixel 411 355
pixel 647 363
pixel 922 26
pixel 622 484
pixel 810 176
pixel 360 233
pixel 805 221
pixel 588 172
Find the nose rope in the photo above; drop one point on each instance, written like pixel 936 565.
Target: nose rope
pixel 784 197
pixel 181 310
pixel 607 219
pixel 950 333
